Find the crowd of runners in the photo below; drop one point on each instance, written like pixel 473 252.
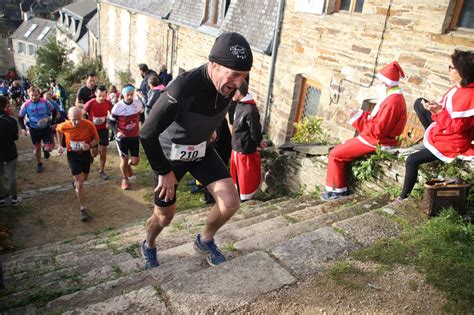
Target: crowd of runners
pixel 182 127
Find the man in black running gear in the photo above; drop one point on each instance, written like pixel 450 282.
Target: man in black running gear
pixel 176 139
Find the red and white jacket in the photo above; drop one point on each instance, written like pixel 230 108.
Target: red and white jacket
pixel 384 123
pixel 127 117
pixel 451 134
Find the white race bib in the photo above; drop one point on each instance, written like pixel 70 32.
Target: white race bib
pixel 187 152
pixel 76 145
pixel 42 122
pixel 98 120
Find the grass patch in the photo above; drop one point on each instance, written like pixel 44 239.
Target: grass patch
pixel 443 249
pixel 346 275
pixel 290 219
pixel 230 247
pixel 178 225
pixel 40 298
pixel 132 249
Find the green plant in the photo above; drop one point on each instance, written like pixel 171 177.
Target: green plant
pixel 125 77
pixel 309 130
pixel 442 248
pixel 367 168
pixel 230 247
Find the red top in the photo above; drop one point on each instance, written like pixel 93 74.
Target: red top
pixel 98 112
pixel 385 123
pixel 128 117
pixel 451 134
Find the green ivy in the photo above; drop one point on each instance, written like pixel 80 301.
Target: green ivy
pixel 309 130
pixel 368 168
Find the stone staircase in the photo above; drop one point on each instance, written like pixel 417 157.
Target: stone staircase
pixel 270 244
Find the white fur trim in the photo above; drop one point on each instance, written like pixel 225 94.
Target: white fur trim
pixel 247 97
pixel 376 108
pixel 337 190
pixel 248 196
pixel 356 116
pixel 432 149
pixel 386 80
pixel 449 107
pixel 365 141
pixel 465 158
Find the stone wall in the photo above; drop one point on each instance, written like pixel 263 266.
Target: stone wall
pixel 135 38
pixel 340 50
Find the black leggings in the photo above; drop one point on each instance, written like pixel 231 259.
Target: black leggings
pixel 411 169
pixel 423 114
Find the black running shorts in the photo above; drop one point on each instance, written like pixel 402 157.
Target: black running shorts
pixel 79 162
pixel 103 136
pixel 207 170
pixel 38 135
pixel 128 146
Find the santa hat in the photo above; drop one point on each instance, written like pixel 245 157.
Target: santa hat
pixel 390 74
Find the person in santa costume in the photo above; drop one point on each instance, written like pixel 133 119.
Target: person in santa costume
pixel 246 138
pixel 451 135
pixel 380 127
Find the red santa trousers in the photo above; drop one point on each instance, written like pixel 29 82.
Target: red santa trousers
pixel 339 157
pixel 246 173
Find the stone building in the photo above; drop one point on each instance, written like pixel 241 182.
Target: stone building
pixel 26 40
pixel 326 54
pixel 72 30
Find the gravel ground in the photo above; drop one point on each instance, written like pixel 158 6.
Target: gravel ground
pixel 370 289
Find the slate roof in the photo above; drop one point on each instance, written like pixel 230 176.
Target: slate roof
pixel 93 26
pixel 254 19
pixel 188 13
pixel 33 37
pixel 158 8
pixel 81 8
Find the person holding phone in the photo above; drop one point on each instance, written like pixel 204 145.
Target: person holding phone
pixel 450 135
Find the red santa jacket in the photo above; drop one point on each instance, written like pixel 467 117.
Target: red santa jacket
pixel 451 134
pixel 386 121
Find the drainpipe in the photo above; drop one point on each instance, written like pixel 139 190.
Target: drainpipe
pixel 99 49
pixel 271 75
pixel 168 50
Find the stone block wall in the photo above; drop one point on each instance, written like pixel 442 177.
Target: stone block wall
pixel 340 51
pixel 135 38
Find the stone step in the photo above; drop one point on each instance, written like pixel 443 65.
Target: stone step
pixel 270 238
pixel 280 210
pixel 142 301
pixel 309 253
pixel 107 290
pixel 227 287
pixel 81 275
pixel 369 227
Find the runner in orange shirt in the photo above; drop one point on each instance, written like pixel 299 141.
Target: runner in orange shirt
pixel 79 135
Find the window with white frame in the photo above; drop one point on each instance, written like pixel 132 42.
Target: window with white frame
pixel 31 49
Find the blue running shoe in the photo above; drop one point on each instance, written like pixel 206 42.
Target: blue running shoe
pixel 209 248
pixel 331 195
pixel 151 260
pixel 39 167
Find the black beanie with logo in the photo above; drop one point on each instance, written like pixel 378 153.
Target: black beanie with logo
pixel 232 50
